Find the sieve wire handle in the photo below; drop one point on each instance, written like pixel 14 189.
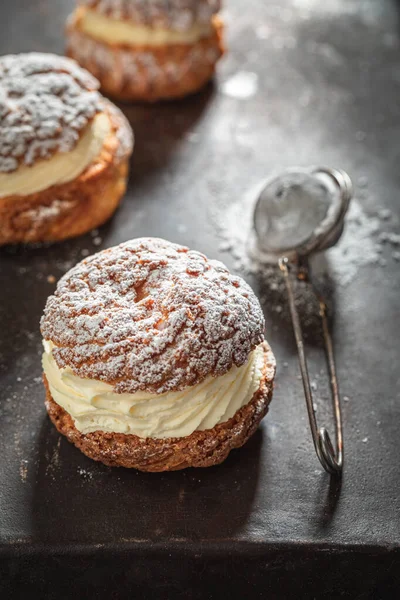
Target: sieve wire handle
pixel 330 458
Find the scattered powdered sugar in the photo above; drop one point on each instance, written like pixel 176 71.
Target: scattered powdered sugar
pixel 23 463
pixel 234 223
pixel 23 470
pixel 151 315
pixel 54 461
pixel 385 214
pixel 359 246
pixel 174 14
pixel 42 213
pixel 390 238
pixel 39 216
pixel 87 475
pixel 45 103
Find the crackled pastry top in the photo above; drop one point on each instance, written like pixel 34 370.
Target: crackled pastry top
pixel 46 103
pixel 150 315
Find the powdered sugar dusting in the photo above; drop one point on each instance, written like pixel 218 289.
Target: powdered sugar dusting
pixel 45 103
pixel 53 460
pixel 175 14
pixel 33 221
pixel 151 315
pixel 359 246
pixel 41 214
pixel 139 70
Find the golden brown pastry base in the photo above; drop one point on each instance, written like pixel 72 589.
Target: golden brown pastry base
pixel 146 73
pixel 71 209
pixel 200 449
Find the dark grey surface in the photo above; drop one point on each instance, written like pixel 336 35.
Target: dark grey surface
pixel 268 519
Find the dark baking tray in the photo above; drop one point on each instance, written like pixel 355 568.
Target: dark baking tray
pixel 268 522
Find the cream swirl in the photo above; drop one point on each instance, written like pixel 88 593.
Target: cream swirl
pixel 93 405
pixel 114 31
pixel 60 168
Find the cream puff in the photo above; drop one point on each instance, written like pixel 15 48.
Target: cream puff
pixel 64 150
pixel 155 358
pixel 147 51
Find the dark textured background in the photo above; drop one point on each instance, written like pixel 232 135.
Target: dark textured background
pixel 267 523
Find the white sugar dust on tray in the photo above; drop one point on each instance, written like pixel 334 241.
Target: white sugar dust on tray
pixel 360 245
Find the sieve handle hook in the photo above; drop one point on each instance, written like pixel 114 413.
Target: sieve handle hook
pixel 331 458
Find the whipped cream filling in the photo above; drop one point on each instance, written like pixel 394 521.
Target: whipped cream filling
pixel 62 167
pixel 93 405
pixel 114 31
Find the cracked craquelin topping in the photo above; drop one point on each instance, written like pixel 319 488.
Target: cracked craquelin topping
pixel 175 14
pixel 151 315
pixel 45 103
